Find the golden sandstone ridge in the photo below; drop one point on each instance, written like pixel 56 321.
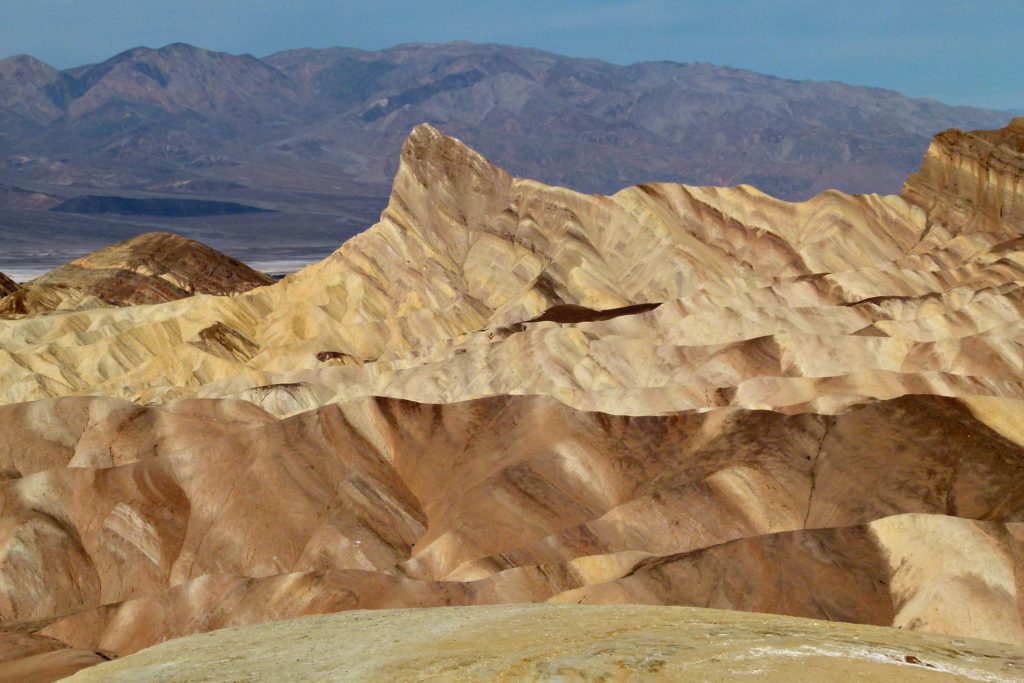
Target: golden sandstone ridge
pixel 762 304
pixel 505 392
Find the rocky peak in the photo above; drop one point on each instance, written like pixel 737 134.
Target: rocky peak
pixel 437 160
pixel 447 186
pixel 24 85
pixel 179 77
pixel 973 181
pixel 24 65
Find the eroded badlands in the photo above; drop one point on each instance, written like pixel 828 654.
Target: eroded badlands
pixel 505 392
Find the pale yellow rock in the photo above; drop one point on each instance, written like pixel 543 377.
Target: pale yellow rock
pixel 764 304
pixel 953 590
pixel 560 643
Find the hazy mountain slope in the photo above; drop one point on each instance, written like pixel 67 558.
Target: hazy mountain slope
pixel 611 126
pixel 25 105
pixel 314 134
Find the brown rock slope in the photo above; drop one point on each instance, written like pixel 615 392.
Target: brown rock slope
pixel 148 269
pixel 125 525
pixel 7 285
pixel 12 197
pixel 972 181
pixel 507 392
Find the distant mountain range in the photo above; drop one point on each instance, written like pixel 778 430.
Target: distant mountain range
pixel 312 136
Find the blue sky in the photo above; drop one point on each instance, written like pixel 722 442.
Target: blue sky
pixel 961 52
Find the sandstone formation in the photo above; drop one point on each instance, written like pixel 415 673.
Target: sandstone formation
pixel 214 513
pixel 150 268
pixel 763 304
pixel 972 181
pixel 507 392
pixel 40 660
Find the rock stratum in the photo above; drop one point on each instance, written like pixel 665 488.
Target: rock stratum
pixel 506 392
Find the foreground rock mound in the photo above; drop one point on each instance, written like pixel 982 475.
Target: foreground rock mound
pixel 567 643
pixel 151 268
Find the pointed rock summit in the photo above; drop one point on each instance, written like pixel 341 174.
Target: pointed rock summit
pixel 436 160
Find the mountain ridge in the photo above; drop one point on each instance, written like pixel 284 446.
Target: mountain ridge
pixel 313 133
